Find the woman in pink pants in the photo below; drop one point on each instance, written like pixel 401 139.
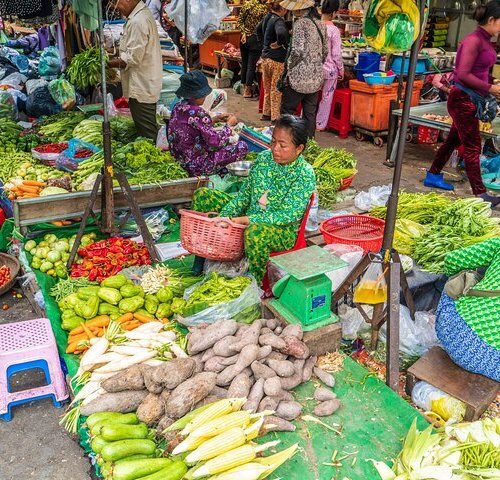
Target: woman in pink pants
pixel 333 67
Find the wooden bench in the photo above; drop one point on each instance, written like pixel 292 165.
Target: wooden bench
pixel 436 368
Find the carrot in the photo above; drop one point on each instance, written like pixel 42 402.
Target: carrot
pixel 27 188
pixel 33 183
pixel 143 318
pixel 125 318
pixel 131 325
pixel 57 223
pixel 78 338
pixel 28 195
pixel 101 332
pixel 75 346
pixel 87 330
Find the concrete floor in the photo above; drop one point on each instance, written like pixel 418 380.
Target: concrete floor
pixel 33 445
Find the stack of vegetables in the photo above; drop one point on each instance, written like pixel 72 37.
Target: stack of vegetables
pixel 85 69
pixel 59 128
pixel 51 254
pixel 12 138
pixel 217 441
pixel 465 451
pixel 111 372
pixel 105 258
pixel 141 161
pixel 331 166
pixel 90 309
pixel 429 226
pixel 125 448
pixel 5 276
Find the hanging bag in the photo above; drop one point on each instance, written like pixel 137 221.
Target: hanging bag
pixel 486 106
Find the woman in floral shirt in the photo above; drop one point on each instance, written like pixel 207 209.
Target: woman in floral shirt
pixel 193 140
pixel 272 201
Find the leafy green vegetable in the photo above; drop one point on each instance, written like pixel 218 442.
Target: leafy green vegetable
pixel 59 127
pixel 85 68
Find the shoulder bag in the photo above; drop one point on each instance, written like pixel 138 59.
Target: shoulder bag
pixel 462 285
pixel 486 106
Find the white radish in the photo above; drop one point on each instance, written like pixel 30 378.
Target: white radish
pixel 96 394
pixel 88 389
pixel 154 362
pixel 128 349
pixel 99 377
pixel 178 351
pixel 126 362
pixel 150 327
pixel 93 353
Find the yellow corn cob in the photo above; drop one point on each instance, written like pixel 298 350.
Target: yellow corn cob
pixel 216 410
pixel 233 458
pixel 218 445
pixel 221 424
pixel 276 460
pixel 249 471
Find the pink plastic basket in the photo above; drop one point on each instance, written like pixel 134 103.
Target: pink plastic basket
pixel 214 238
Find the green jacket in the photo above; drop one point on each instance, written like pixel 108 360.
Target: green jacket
pixel 289 188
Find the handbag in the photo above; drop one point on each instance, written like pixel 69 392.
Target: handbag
pixel 486 107
pixel 462 285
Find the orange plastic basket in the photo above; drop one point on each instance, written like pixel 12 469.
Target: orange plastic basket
pixel 362 230
pixel 346 182
pixel 214 238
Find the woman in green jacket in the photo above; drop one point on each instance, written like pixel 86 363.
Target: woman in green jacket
pixel 274 198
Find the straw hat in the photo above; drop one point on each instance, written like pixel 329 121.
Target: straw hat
pixel 297 4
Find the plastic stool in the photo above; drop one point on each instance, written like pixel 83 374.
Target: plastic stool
pixel 340 113
pixel 24 346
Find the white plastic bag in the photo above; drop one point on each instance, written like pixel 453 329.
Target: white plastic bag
pixel 204 17
pixel 231 269
pixel 432 399
pixel 415 337
pixel 245 308
pixel 353 323
pixel 351 254
pixel 162 139
pixel 374 197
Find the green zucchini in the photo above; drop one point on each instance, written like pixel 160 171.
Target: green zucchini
pixel 116 417
pixel 98 443
pixel 134 457
pixel 128 419
pixel 115 432
pixel 175 471
pixel 139 468
pixel 125 448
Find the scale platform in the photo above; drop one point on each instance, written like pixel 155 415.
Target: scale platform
pixel 303 296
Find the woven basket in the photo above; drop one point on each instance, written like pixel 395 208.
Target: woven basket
pixel 14 266
pixel 345 183
pixel 214 238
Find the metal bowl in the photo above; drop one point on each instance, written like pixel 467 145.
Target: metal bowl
pixel 240 169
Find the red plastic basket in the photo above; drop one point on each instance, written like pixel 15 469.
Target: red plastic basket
pixel 213 238
pixel 362 230
pixel 346 182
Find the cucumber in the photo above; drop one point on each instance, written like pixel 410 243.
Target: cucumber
pixel 111 417
pixel 175 471
pixel 128 419
pixel 134 457
pixel 125 448
pixel 115 432
pixel 98 443
pixel 139 468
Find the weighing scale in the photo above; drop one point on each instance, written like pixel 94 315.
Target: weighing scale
pixel 303 296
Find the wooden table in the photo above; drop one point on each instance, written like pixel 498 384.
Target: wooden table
pixel 221 56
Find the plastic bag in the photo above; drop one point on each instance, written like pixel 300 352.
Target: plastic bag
pixel 21 62
pixel 50 63
pixel 204 17
pixel 415 337
pixel 432 399
pixel 77 152
pixel 62 91
pixel 15 80
pixel 170 84
pixel 351 254
pixel 353 323
pixel 32 85
pixel 372 288
pixel 231 269
pixel 162 138
pixel 374 197
pixel 245 308
pixel 156 221
pixel 216 98
pixel 40 103
pixel 8 107
pixel 391 26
